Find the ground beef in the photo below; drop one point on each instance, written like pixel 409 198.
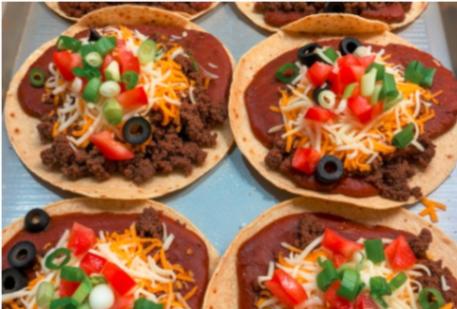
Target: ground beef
pixel 419 244
pixel 434 281
pixel 79 9
pixel 308 229
pixel 148 224
pixel 280 13
pixel 45 128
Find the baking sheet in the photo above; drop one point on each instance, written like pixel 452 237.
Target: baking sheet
pixel 232 194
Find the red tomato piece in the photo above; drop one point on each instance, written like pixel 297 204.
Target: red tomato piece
pixel 347 61
pixel 318 73
pixel 277 291
pixel 65 62
pixel 123 302
pixel 319 114
pixel 366 60
pixel 339 245
pixel 361 109
pixel 106 61
pixel 67 288
pixel 351 74
pixel 81 239
pixel 335 82
pixel 92 263
pixel 399 254
pixel 377 110
pixel 127 60
pixel 305 160
pixel 364 301
pixel 133 98
pixel 286 289
pixel 338 259
pixel 333 300
pixel 121 282
pixel 110 148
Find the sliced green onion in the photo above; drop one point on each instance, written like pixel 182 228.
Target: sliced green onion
pixel 45 293
pixel 348 90
pixel 113 72
pixel 430 298
pixel 105 44
pixel 37 77
pixel 130 79
pixel 331 54
pixel 379 300
pixel 368 83
pixel 327 276
pixel 287 73
pixel 96 280
pixel 91 91
pixel 320 52
pixel 84 306
pixel 375 250
pixel 398 281
pixel 380 70
pixel 326 99
pixel 73 274
pixel 427 80
pixel 87 72
pixel 403 138
pixel 83 290
pixel 389 89
pixel 94 59
pixel 110 89
pixel 350 284
pixel 59 253
pixel 418 74
pixel 142 303
pixel 379 286
pixel 391 103
pixel 376 93
pixel 64 303
pixel 112 111
pixel 147 51
pixel 86 49
pixel 68 43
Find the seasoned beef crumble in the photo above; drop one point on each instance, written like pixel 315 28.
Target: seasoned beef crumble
pixel 148 224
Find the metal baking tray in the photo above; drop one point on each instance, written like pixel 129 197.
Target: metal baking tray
pixel 232 194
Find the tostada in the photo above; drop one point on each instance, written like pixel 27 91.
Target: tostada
pixel 367 120
pixel 129 102
pixel 272 16
pixel 83 253
pixel 305 253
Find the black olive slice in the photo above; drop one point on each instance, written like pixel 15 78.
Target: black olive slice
pixel 329 170
pixel 334 7
pixel 13 280
pixel 306 54
pixel 22 254
pixel 348 45
pixel 36 220
pixel 136 130
pixel 317 91
pixel 94 35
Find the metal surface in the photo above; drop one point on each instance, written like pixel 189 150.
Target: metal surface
pixel 233 193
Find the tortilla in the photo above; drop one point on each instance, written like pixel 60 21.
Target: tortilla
pixel 25 139
pixel 55 7
pixel 319 23
pixel 223 286
pixel 93 206
pixel 439 169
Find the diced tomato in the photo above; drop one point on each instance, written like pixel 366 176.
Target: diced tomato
pixel 366 60
pixel 361 109
pixel 337 244
pixel 335 83
pixel 81 238
pixel 333 300
pixel 106 61
pixel 92 263
pixel 351 74
pixel 347 61
pixel 65 62
pixel 399 254
pixel 133 98
pixel 121 282
pixel 305 160
pixel 338 259
pixel 123 302
pixel 377 110
pixel 127 60
pixel 364 301
pixel 67 288
pixel 286 288
pixel 318 73
pixel 319 114
pixel 109 147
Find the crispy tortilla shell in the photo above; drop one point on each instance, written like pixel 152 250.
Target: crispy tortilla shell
pixel 222 290
pixel 54 6
pixel 25 138
pixel 94 206
pixel 324 23
pixel 438 170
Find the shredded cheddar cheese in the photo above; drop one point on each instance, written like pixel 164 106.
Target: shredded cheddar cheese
pixel 430 209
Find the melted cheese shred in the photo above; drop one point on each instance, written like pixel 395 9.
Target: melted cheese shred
pixel 144 259
pixel 357 145
pixel 431 208
pixel 303 266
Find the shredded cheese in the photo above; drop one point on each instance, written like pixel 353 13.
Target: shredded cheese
pixel 430 209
